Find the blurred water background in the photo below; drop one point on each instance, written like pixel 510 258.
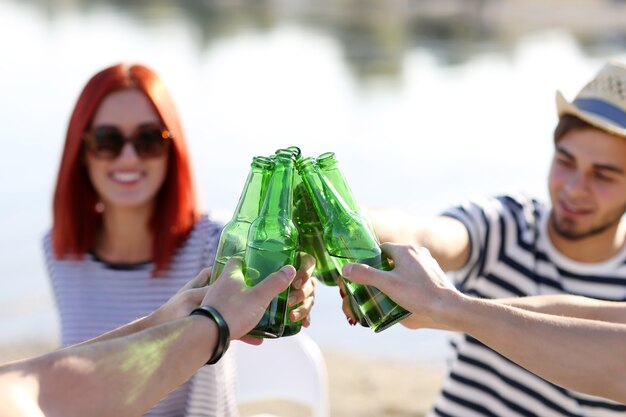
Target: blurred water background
pixel 424 102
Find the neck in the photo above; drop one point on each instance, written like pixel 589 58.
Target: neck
pixel 125 236
pixel 591 249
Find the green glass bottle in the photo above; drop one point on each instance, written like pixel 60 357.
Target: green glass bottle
pixel 329 168
pixel 349 239
pixel 292 327
pixel 234 235
pixel 273 241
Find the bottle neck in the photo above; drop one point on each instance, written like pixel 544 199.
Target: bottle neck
pixel 333 174
pixel 328 203
pixel 252 197
pixel 278 198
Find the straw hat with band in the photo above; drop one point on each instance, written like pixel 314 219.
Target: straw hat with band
pixel 602 102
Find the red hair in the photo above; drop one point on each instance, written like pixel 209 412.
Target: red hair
pixel 75 218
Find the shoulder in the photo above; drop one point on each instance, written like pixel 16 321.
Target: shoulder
pixel 508 203
pixel 518 208
pixel 46 241
pixel 48 247
pixel 208 225
pixel 206 229
pixel 520 202
pixel 199 247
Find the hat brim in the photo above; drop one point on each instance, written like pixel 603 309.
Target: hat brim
pixel 565 107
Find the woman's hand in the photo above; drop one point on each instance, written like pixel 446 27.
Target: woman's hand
pixel 302 291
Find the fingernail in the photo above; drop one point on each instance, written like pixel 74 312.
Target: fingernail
pixel 297 283
pixel 288 270
pixel 291 300
pixel 347 269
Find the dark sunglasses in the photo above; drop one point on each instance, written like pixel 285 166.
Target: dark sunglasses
pixel 107 142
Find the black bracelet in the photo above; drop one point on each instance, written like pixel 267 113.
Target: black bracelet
pixel 223 332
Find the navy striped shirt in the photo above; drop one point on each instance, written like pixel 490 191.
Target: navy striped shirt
pixel 94 297
pixel 511 255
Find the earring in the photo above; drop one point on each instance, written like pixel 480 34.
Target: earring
pixel 99 207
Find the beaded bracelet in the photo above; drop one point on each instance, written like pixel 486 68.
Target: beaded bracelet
pixel 222 331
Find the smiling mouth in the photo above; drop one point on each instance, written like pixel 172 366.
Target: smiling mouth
pixel 572 210
pixel 126 177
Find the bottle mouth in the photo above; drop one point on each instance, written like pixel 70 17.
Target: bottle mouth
pixel 326 159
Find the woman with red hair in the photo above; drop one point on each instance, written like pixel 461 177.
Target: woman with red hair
pixel 127 229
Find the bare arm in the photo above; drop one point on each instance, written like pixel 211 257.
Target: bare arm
pixel 446 238
pixel 555 348
pixel 571 306
pixel 117 377
pixel 125 376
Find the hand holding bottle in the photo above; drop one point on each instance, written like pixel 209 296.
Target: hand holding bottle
pixel 302 291
pixel 416 282
pixel 229 294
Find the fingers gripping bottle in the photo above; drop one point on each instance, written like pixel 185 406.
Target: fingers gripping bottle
pixel 235 233
pixel 272 242
pixel 348 238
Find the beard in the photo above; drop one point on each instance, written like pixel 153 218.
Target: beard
pixel 566 228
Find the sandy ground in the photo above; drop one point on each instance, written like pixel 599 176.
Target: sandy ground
pixel 362 387
pixel 358 386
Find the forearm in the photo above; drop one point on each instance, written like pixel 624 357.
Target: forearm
pixel 125 330
pixel 446 238
pixel 571 306
pixel 119 377
pixel 558 349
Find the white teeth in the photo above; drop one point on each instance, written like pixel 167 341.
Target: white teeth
pixel 574 209
pixel 126 176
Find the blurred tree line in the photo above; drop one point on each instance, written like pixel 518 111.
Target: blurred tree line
pixel 375 34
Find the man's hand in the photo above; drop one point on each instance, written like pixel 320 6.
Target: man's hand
pixel 416 282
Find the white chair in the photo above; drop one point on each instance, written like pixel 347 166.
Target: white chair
pixel 289 368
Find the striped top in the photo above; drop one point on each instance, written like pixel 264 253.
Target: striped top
pixel 94 297
pixel 511 255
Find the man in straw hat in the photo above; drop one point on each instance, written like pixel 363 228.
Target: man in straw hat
pixel 514 246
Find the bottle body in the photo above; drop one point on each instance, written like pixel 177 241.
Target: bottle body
pixel 234 235
pixel 272 243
